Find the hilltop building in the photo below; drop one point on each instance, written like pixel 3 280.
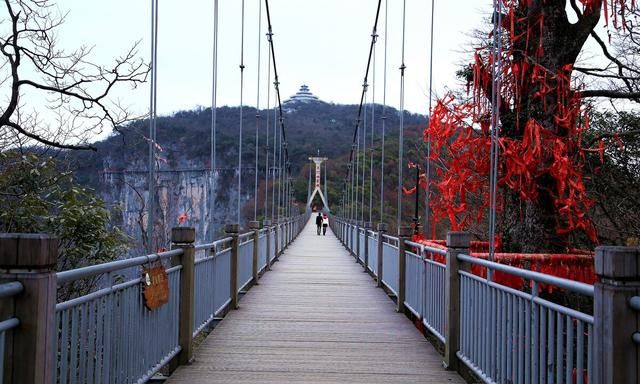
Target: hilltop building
pixel 302 96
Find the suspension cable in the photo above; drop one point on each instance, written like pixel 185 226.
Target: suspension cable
pixel 373 123
pixel 283 136
pixel 427 222
pixel 355 141
pixel 401 135
pixel 241 108
pixel 384 109
pixel 214 101
pixel 266 166
pixel 364 150
pixel 152 125
pixel 255 186
pixel 495 125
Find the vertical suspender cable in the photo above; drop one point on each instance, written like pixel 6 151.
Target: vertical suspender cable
pixel 355 173
pixel 373 123
pixel 275 152
pixel 495 125
pixel 241 108
pixel 255 185
pixel 384 110
pixel 401 135
pixel 427 221
pixel 364 150
pixel 357 170
pixel 266 165
pixel 152 125
pixel 279 171
pixel 214 102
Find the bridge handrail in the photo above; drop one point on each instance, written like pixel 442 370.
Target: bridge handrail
pixel 11 288
pixel 214 245
pixel 570 285
pixel 113 266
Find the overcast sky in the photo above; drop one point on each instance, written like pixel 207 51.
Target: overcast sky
pixel 323 44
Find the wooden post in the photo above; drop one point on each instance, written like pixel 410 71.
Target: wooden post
pixel 185 237
pixel 267 226
pixel 255 226
pixel 382 229
pixel 457 243
pixel 367 226
pixel 30 348
pixel 233 230
pixel 404 233
pixel 617 357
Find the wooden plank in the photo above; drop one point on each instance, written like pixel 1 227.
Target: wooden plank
pixel 315 318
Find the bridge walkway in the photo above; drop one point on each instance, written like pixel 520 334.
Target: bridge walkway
pixel 315 318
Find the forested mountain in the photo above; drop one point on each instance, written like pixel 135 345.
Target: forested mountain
pixel 118 169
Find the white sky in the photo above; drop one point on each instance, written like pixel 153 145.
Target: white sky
pixel 321 43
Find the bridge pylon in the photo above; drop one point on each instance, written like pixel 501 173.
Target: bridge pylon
pixel 318 161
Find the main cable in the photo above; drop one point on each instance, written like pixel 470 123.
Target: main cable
pixel 384 109
pixel 355 141
pixel 283 135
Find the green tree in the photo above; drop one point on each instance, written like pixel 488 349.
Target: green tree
pixel 37 197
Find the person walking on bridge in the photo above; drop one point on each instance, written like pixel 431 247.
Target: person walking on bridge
pixel 325 224
pixel 319 222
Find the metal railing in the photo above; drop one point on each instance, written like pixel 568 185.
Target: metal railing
pixel 372 259
pixel 502 334
pixel 212 286
pixel 507 335
pixel 390 254
pixel 109 336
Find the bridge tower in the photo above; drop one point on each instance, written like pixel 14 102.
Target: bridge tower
pixel 318 161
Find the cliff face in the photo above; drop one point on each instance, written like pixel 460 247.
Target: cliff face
pixel 186 192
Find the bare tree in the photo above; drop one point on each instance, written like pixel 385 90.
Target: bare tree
pixel 77 92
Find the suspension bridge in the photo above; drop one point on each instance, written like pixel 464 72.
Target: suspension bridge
pixel 272 301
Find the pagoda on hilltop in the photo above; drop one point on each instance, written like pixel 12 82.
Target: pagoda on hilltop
pixel 302 96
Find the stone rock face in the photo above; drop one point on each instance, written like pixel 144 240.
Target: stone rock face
pixel 183 198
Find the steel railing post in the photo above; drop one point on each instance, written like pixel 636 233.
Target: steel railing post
pixel 382 229
pixel 267 226
pixel 404 233
pixel 616 315
pixel 457 243
pixel 276 228
pixel 357 243
pixel 233 230
pixel 255 226
pixel 29 348
pixel 184 238
pixel 367 227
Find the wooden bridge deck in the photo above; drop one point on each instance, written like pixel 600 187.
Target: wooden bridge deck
pixel 315 318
